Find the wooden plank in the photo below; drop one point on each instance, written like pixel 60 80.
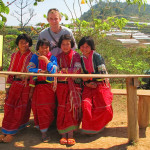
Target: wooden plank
pixel 143 92
pixel 144 111
pixel 132 111
pixel 2 83
pixel 119 91
pixel 76 75
pixel 124 92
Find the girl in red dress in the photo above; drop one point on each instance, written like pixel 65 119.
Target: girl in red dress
pixel 18 96
pixel 96 96
pixel 68 91
pixel 43 101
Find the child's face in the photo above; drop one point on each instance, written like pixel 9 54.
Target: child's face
pixel 66 46
pixel 43 50
pixel 85 49
pixel 23 45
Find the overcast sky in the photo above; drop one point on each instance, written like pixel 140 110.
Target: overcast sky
pixel 42 9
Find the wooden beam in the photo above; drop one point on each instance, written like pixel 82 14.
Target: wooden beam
pixel 144 111
pixel 76 75
pixel 1 50
pixel 124 92
pixel 132 111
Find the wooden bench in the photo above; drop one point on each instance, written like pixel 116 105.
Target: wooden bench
pixel 132 98
pixel 143 105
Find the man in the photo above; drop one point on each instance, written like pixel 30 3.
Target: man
pixel 53 33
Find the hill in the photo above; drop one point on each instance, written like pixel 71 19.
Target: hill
pixel 118 9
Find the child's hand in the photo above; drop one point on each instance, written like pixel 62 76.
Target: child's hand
pixel 7 92
pixel 85 79
pixel 43 58
pixel 64 70
pixel 107 82
pixel 42 71
pixel 91 85
pixel 31 93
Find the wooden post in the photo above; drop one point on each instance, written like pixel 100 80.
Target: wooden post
pixel 1 50
pixel 132 110
pixel 144 111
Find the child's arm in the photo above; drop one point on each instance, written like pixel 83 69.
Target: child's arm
pixel 33 65
pixel 31 92
pixel 52 65
pixel 76 67
pixel 102 69
pixel 10 77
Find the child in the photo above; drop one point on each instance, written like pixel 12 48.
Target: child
pixel 43 101
pixel 96 96
pixel 18 101
pixel 68 93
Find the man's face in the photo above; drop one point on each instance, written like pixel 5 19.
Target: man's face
pixel 53 18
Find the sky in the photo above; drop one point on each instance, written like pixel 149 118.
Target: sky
pixel 42 9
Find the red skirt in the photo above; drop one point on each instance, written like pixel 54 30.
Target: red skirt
pixel 17 108
pixel 43 106
pixel 65 119
pixel 96 108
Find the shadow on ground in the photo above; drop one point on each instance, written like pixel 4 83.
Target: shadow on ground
pixel 30 138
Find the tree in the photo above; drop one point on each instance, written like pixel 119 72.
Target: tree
pixel 3 10
pixel 20 14
pixel 130 2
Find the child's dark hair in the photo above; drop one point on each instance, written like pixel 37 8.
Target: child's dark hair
pixel 42 42
pixel 66 37
pixel 24 37
pixel 88 40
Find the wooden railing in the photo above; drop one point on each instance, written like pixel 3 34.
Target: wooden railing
pixel 131 87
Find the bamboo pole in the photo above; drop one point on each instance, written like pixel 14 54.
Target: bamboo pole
pixel 132 110
pixel 76 75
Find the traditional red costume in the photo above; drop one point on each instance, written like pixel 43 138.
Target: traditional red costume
pixel 17 106
pixel 43 101
pixel 96 102
pixel 68 94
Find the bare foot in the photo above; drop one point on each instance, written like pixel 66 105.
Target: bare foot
pixel 2 137
pixel 8 138
pixel 45 137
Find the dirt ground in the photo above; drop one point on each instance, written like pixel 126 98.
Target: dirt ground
pixel 113 137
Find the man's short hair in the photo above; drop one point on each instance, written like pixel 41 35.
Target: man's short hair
pixel 53 10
